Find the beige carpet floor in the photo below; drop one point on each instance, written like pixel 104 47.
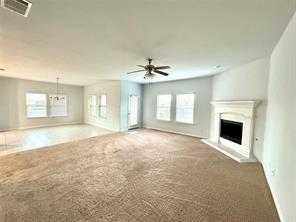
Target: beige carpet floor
pixel 144 176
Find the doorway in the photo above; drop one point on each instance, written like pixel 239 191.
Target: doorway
pixel 133 111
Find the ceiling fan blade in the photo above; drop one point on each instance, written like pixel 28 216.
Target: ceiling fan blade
pixel 141 66
pixel 136 71
pixel 161 73
pixel 163 67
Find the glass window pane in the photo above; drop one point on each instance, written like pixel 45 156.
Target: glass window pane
pixel 93 106
pixel 94 111
pixel 94 100
pixel 103 100
pixel 185 108
pixel 36 111
pixel 103 111
pixel 58 111
pixel 35 99
pixel 164 101
pixel 36 105
pixel 164 114
pixel 102 107
pixel 164 107
pixel 58 105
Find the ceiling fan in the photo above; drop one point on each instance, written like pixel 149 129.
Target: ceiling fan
pixel 151 70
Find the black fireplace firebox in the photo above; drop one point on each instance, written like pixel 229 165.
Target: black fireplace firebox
pixel 231 130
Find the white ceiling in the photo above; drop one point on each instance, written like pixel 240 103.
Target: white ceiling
pixel 87 41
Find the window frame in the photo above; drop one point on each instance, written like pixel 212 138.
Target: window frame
pixel 49 105
pixel 46 105
pixel 100 106
pixel 193 108
pixel 170 118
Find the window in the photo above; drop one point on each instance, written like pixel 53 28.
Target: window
pixel 93 106
pixel 164 107
pixel 58 105
pixel 103 106
pixel 36 105
pixel 185 108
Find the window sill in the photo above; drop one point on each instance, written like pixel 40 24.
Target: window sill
pixel 58 116
pixel 43 117
pixel 185 123
pixel 163 120
pixel 40 117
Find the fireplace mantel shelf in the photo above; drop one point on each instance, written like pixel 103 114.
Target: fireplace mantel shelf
pixel 237 103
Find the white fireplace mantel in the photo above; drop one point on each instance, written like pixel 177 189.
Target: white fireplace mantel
pixel 238 111
pixel 245 108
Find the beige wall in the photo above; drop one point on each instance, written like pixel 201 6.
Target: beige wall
pixel 13 106
pixel 8 104
pixel 247 82
pixel 112 90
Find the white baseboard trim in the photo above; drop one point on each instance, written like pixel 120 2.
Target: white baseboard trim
pixel 9 129
pixel 49 125
pixel 124 130
pixel 277 204
pixel 171 131
pixel 94 124
pixel 40 126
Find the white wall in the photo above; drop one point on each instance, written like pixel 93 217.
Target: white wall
pixel 13 105
pixel 247 82
pixel 112 90
pixel 202 87
pixel 279 156
pixel 127 89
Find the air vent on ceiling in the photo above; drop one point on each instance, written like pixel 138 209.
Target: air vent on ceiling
pixel 22 7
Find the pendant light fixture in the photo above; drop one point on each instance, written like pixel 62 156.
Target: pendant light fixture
pixel 57 96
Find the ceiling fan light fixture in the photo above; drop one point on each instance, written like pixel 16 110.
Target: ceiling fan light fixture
pixel 149 76
pixel 151 68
